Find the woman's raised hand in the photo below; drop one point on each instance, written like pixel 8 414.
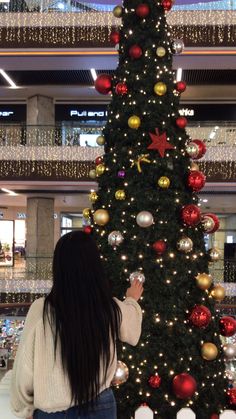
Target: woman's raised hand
pixel 135 290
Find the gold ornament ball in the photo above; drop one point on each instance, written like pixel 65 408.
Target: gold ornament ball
pixel 160 88
pixel 164 182
pixel 194 166
pixel 86 212
pixel 218 293
pixel 214 254
pixel 120 195
pixel 134 122
pixel 209 351
pixel 121 374
pixel 93 197
pixel 161 52
pixel 204 281
pixel 101 217
pixel 92 174
pixel 117 11
pixel 100 169
pixel 100 140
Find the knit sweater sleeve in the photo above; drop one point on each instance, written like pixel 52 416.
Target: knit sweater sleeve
pixel 22 392
pixel 131 320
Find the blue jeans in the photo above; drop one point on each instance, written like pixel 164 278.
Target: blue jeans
pixel 104 408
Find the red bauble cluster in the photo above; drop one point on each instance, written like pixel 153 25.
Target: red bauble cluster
pixel 227 326
pixel 103 84
pixel 159 246
pixel 184 386
pixel 121 89
pixel 154 381
pixel 210 223
pixel 167 4
pixel 232 396
pixel 181 122
pixel 87 229
pixel 200 316
pixel 191 215
pixel 115 37
pixel 181 86
pixel 98 160
pixel 214 416
pixel 196 180
pixel 142 10
pixel 135 52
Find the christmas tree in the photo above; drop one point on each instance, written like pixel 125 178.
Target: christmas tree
pixel 149 226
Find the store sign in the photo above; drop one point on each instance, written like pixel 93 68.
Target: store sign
pixel 13 113
pixel 6 113
pixel 89 114
pixel 186 112
pixel 81 112
pixel 21 215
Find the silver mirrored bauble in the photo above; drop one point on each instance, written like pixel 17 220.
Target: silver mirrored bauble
pixel 230 375
pixel 185 245
pixel 144 219
pixel 137 275
pixel 115 238
pixel 214 254
pixel 121 374
pixel 208 224
pixel 192 150
pixel 177 46
pixel 229 351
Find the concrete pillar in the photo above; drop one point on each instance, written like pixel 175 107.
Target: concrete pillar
pixel 40 120
pixel 39 237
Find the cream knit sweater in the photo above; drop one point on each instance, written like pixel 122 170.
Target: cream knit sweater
pixel 38 381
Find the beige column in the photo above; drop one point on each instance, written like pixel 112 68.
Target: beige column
pixel 39 237
pixel 40 120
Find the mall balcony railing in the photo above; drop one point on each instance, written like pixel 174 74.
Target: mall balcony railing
pixel 60 152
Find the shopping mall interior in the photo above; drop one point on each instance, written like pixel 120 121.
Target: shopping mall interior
pixel 51 53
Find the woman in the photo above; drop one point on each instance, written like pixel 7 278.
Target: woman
pixel 66 358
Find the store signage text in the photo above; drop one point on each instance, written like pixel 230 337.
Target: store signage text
pixel 89 114
pixel 6 113
pixel 21 215
pixel 186 112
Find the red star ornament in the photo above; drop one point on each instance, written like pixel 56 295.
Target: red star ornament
pixel 159 143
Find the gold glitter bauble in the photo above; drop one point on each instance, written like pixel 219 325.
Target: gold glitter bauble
pixel 160 52
pixel 86 212
pixel 204 281
pixel 160 88
pixel 93 197
pixel 117 11
pixel 134 122
pixel 101 217
pixel 100 169
pixel 92 174
pixel 209 351
pixel 218 293
pixel 100 140
pixel 215 254
pixel 164 182
pixel 120 195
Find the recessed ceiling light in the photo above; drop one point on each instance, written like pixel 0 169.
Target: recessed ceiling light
pixel 9 192
pixel 8 79
pixel 94 74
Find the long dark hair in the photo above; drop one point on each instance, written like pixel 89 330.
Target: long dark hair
pixel 82 314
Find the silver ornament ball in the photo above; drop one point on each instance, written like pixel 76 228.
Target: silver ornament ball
pixel 137 275
pixel 214 254
pixel 230 375
pixel 192 150
pixel 144 219
pixel 229 351
pixel 115 238
pixel 177 46
pixel 185 245
pixel 121 374
pixel 208 224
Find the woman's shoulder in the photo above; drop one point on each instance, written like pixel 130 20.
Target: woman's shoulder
pixel 36 308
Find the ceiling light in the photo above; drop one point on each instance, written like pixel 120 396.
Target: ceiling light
pixel 94 74
pixel 7 78
pixel 9 192
pixel 179 74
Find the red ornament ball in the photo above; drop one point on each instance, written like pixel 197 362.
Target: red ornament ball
pixel 159 246
pixel 115 37
pixel 98 160
pixel 121 89
pixel 202 148
pixel 135 52
pixel 181 122
pixel 142 10
pixel 196 180
pixel 154 381
pixel 191 215
pixel 200 316
pixel 184 386
pixel 181 86
pixel 214 416
pixel 210 223
pixel 167 4
pixel 232 396
pixel 103 84
pixel 227 326
pixel 87 229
